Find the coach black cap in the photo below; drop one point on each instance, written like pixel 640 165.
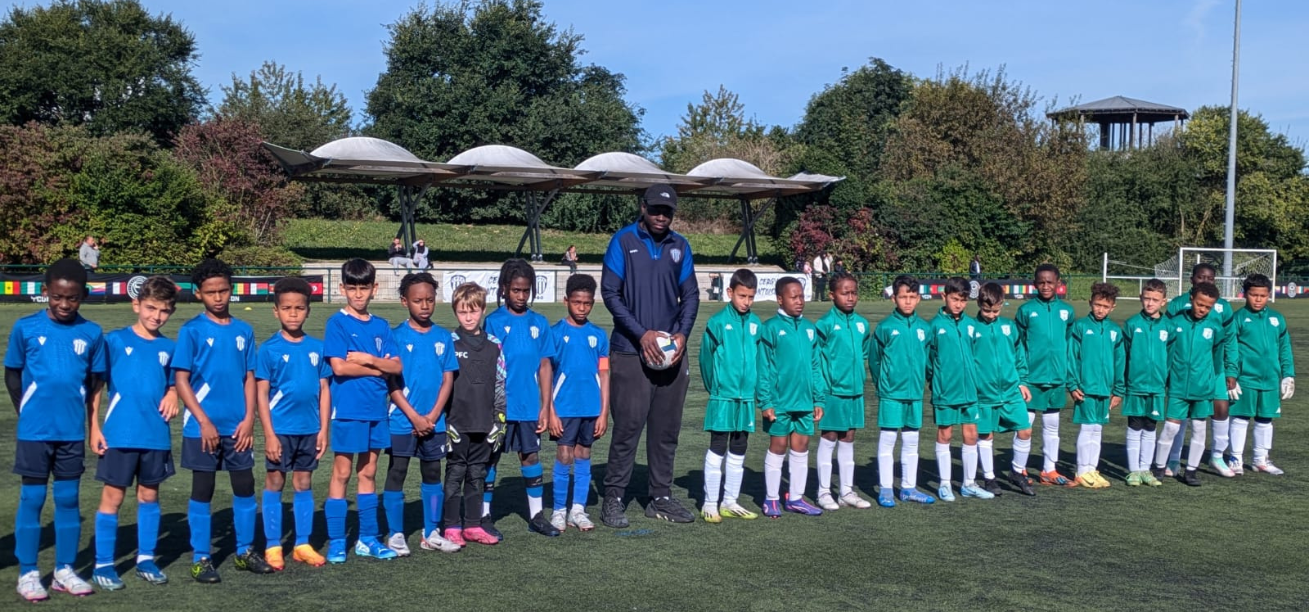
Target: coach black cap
pixel 660 195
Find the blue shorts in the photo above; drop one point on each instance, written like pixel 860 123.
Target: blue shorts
pixel 41 459
pixel 521 437
pixel 578 431
pixel 352 437
pixel 223 459
pixel 430 447
pixel 299 454
pixel 119 467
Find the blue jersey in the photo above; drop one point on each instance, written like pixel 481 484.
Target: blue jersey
pixel 294 371
pixel 525 340
pixel 358 398
pixel 577 368
pixel 426 356
pixel 55 359
pixel 218 358
pixel 140 374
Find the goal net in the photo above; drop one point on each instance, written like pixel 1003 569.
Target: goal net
pixel 1176 271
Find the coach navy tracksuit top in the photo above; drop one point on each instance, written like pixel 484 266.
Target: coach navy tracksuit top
pixel 648 284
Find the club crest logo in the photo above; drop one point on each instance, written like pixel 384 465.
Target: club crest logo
pixel 859 325
pixel 1218 308
pixel 1004 329
pixel 754 327
pixel 440 349
pixel 1273 321
pixel 1163 335
pixel 163 358
pixel 592 341
pixel 811 334
pixel 240 343
pixel 134 285
pixel 79 346
pixel 922 336
pixel 1113 336
pixel 536 331
pixel 378 342
pixel 676 254
pixel 1208 334
pixel 128 350
pixel 313 359
pixel 1063 315
pixel 970 331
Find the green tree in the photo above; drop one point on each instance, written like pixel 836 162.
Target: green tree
pixel 109 65
pixel 288 111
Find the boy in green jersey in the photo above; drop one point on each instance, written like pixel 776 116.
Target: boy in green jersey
pixel 1002 392
pixel 844 340
pixel 790 395
pixel 1262 380
pixel 1043 325
pixel 1146 347
pixel 898 364
pixel 954 388
pixel 1095 379
pixel 728 355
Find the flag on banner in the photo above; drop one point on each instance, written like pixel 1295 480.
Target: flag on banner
pixel 8 288
pixel 96 288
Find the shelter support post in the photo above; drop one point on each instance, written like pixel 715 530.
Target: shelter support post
pixel 536 205
pixel 749 217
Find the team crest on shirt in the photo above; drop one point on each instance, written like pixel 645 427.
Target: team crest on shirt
pixel 1208 334
pixel 378 342
pixel 40 340
pixel 592 341
pixel 536 331
pixel 1113 336
pixel 313 359
pixel 1063 315
pixel 811 334
pixel 970 331
pixel 440 349
pixel 922 336
pixel 163 358
pixel 286 358
pixel 409 347
pixel 128 350
pixel 1004 329
pixel 1273 321
pixel 1218 308
pixel 1163 335
pixel 79 346
pixel 754 327
pixel 506 330
pixel 676 254
pixel 859 325
pixel 567 339
pixel 240 343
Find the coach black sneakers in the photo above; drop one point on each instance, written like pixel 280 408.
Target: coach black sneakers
pixel 613 513
pixel 668 509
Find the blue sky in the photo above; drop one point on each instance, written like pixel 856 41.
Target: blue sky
pixel 778 54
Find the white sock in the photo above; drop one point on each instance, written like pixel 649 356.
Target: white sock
pixel 1198 427
pixel 732 479
pixel 486 509
pixel 799 473
pixel 986 454
pixel 1146 451
pixel 576 507
pixel 1238 434
pixel 1163 449
pixel 143 558
pixel 1134 449
pixel 713 476
pixel 1097 431
pixel 845 463
pixel 826 448
pixel 1175 455
pixel 1022 449
pixel 969 455
pixel 908 459
pixel 773 475
pixel 1050 440
pixel 886 460
pixel 1084 450
pixel 1263 441
pixel 944 467
pixel 1221 435
pixel 533 505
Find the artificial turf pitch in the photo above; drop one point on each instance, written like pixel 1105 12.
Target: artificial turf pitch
pixel 1230 544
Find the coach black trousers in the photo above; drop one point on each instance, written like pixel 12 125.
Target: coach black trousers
pixel 650 400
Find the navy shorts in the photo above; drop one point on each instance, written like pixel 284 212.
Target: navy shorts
pixel 119 467
pixel 41 459
pixel 299 454
pixel 352 437
pixel 430 447
pixel 223 459
pixel 578 431
pixel 521 437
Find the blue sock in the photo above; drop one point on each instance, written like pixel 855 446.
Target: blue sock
pixel 197 514
pixel 244 511
pixel 533 473
pixel 147 529
pixel 303 508
pixel 393 504
pixel 433 506
pixel 560 485
pixel 581 480
pixel 273 519
pixel 68 521
pixel 490 485
pixel 27 526
pixel 334 510
pixel 367 504
pixel 106 537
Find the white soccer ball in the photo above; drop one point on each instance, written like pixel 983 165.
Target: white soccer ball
pixel 668 348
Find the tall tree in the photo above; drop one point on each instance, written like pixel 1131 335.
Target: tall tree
pixel 109 65
pixel 289 111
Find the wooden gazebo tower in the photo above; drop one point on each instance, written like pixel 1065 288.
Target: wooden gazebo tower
pixel 1125 123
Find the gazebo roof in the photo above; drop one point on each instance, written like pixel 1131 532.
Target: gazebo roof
pixel 1121 109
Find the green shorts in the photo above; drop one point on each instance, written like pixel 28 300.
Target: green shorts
pixel 1047 397
pixel 842 413
pixel 1181 409
pixel 1091 411
pixel 898 414
pixel 729 415
pixel 1009 416
pixel 1151 406
pixel 1258 404
pixel 788 423
pixel 961 414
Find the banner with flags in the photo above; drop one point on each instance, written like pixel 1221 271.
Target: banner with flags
pixel 116 288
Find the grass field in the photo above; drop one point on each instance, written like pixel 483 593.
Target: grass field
pixel 1231 544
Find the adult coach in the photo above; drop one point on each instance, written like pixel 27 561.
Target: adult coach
pixel 89 254
pixel 648 284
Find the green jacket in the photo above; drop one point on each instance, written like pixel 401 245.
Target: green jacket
pixel 898 359
pixel 844 341
pixel 1147 354
pixel 954 371
pixel 729 355
pixel 790 379
pixel 1043 331
pixel 1260 336
pixel 1001 362
pixel 1195 356
pixel 1096 357
pixel 1222 310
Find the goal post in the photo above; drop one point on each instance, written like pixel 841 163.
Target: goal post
pixel 1176 271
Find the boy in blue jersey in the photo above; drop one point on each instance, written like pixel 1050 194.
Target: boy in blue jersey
pixel 55 357
pixel 528 348
pixel 581 401
pixel 214 366
pixel 134 443
pixel 362 353
pixel 294 407
pixel 417 419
